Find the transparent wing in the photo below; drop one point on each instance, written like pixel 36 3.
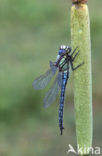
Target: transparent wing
pixel 59 79
pixel 42 81
pixel 52 93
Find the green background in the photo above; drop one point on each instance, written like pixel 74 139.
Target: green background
pixel 31 32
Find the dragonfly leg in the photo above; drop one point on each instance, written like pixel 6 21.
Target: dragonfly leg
pixel 75 55
pixel 74 51
pixel 74 68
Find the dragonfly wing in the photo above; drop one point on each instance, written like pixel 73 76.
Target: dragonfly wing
pixel 59 79
pixel 53 67
pixel 42 81
pixel 51 94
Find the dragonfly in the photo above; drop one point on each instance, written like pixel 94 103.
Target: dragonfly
pixel 65 59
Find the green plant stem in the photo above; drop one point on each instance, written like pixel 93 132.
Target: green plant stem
pixel 80 36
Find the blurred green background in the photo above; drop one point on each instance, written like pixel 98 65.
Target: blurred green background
pixel 31 32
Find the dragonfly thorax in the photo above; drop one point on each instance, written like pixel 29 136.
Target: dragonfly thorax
pixel 62 61
pixel 62 65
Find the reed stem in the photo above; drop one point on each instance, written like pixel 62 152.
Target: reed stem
pixel 80 36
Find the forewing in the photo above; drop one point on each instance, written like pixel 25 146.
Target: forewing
pixel 59 79
pixel 51 94
pixel 42 81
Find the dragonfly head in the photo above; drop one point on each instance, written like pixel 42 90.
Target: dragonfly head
pixel 64 50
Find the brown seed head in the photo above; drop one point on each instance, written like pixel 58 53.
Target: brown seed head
pixel 79 1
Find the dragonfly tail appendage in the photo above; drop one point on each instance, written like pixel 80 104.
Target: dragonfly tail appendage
pixel 61 107
pixel 61 129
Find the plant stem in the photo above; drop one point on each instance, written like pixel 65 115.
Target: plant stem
pixel 80 36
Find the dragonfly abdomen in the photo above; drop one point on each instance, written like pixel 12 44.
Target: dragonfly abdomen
pixel 61 107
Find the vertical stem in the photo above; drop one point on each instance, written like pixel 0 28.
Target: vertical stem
pixel 80 36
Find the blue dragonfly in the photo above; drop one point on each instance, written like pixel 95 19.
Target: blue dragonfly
pixel 61 66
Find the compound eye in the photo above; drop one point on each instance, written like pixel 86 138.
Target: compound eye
pixel 63 47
